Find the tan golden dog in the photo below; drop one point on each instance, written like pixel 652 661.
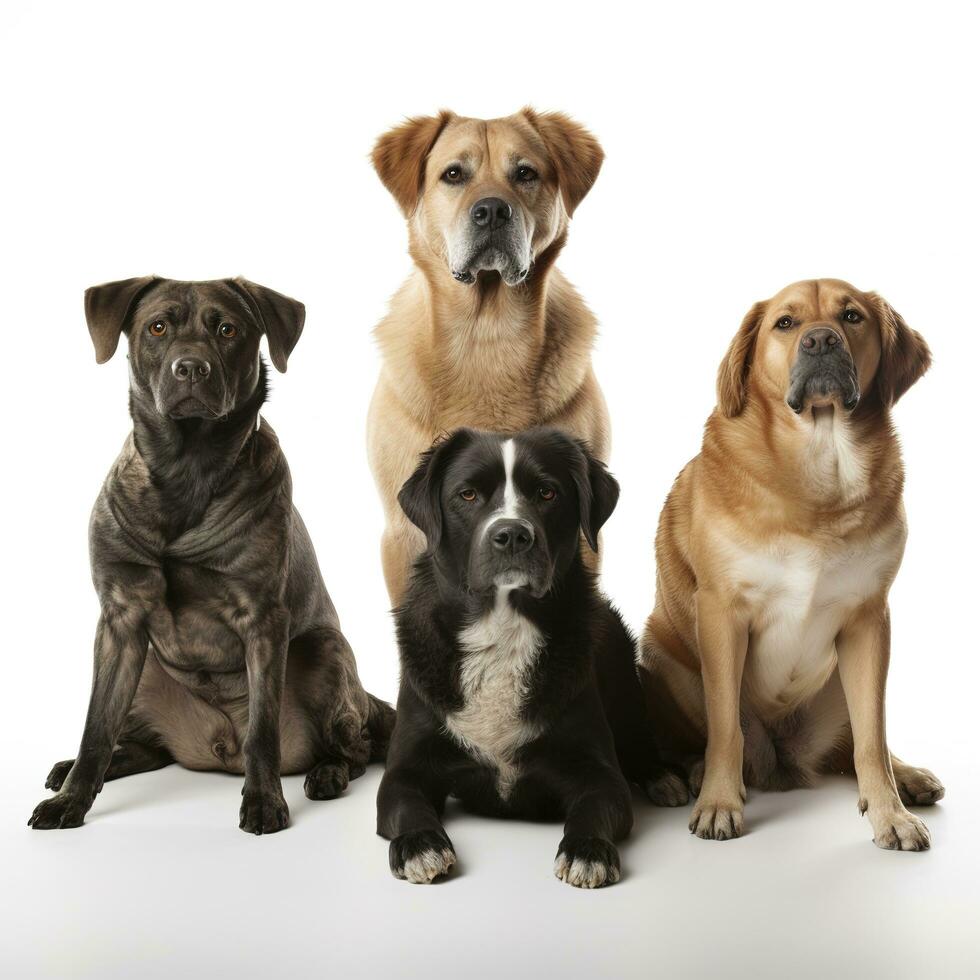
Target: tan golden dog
pixel 768 647
pixel 486 332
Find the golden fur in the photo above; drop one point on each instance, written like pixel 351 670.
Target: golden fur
pixel 487 355
pixel 775 553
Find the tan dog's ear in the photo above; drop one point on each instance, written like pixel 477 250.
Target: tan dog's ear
pixel 399 157
pixel 280 317
pixel 575 153
pixel 106 309
pixel 733 374
pixel 905 356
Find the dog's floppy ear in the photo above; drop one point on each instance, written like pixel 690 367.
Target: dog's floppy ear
pixel 574 151
pixel 399 156
pixel 905 356
pixel 280 317
pixel 733 374
pixel 598 494
pixel 420 496
pixel 106 309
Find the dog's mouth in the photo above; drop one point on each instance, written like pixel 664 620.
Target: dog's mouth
pixel 824 381
pixel 191 408
pixel 492 255
pixel 532 575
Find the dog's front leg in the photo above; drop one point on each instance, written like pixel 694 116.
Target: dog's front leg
pixel 266 637
pixel 863 650
pixel 599 812
pixel 120 652
pixel 722 642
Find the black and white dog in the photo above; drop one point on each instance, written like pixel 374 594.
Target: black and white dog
pixel 519 693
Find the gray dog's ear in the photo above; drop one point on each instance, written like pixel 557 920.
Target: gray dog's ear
pixel 280 317
pixel 399 157
pixel 420 496
pixel 106 309
pixel 574 151
pixel 598 494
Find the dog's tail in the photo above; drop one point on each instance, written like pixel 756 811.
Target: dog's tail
pixel 380 722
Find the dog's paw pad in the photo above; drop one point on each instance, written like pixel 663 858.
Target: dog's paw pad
pixel 716 821
pixel 326 781
pixel 587 862
pixel 263 813
pixel 421 857
pixel 666 789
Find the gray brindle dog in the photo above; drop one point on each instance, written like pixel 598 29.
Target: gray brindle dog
pixel 217 646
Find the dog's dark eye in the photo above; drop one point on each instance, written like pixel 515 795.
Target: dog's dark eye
pixel 784 323
pixel 468 494
pixel 547 493
pixel 524 175
pixel 228 330
pixel 453 174
pixel 852 316
pixel 158 329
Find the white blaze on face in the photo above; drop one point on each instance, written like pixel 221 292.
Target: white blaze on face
pixel 509 510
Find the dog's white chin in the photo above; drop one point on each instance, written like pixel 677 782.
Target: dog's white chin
pixel 511 580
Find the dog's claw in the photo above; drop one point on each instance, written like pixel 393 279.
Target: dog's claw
pixel 263 813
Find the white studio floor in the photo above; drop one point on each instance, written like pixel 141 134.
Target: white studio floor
pixel 161 883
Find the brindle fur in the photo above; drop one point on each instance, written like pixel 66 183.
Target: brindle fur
pixel 217 645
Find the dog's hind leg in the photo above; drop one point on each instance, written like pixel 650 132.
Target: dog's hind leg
pixel 916 787
pixel 626 711
pixel 129 757
pixel 328 722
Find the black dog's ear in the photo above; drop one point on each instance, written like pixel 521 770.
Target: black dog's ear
pixel 598 494
pixel 106 309
pixel 280 317
pixel 419 497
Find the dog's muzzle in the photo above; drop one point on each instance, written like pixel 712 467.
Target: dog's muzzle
pixel 494 240
pixel 824 370
pixel 190 389
pixel 510 554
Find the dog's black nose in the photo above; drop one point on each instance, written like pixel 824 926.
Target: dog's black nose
pixel 511 537
pixel 820 340
pixel 190 368
pixel 490 213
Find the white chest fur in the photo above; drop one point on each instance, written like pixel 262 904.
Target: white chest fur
pixel 500 651
pixel 799 595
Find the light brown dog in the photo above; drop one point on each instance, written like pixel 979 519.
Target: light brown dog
pixel 486 332
pixel 768 647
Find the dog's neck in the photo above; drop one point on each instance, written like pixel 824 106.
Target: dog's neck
pixel 190 459
pixel 467 327
pixel 825 461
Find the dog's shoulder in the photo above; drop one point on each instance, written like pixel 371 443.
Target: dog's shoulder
pixel 427 625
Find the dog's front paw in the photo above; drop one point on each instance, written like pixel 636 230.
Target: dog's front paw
pixel 263 812
pixel 716 820
pixel 59 771
pixel 898 830
pixel 421 856
pixel 666 788
pixel 59 813
pixel 587 862
pixel 326 781
pixel 918 787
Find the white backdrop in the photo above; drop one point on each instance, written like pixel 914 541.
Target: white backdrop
pixel 748 145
